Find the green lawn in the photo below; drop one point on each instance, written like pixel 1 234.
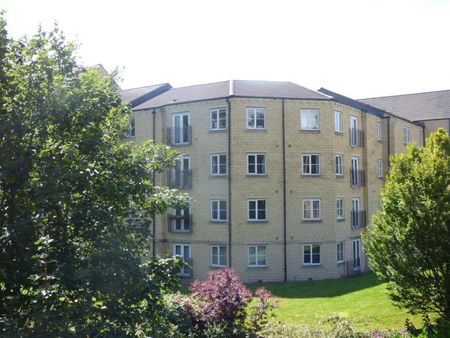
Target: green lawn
pixel 362 300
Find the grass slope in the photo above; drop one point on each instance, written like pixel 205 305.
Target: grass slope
pixel 362 300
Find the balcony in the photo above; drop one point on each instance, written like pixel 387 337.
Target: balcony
pixel 180 223
pixel 359 219
pixel 357 178
pixel 181 179
pixel 179 136
pixel 356 137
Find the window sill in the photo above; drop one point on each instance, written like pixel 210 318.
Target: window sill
pixel 255 129
pixel 380 141
pixel 218 130
pixel 311 175
pixel 312 131
pixel 312 265
pixel 257 221
pixel 218 221
pixel 340 262
pixel 340 219
pixel 218 176
pixel 257 267
pixel 217 267
pixel 339 176
pixel 311 221
pixel 256 175
pixel 338 133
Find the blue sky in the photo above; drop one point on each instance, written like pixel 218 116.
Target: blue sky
pixel 359 48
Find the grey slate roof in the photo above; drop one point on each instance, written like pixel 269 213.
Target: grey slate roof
pixel 415 107
pixel 136 96
pixel 217 90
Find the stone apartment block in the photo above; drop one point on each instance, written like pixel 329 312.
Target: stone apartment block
pixel 283 179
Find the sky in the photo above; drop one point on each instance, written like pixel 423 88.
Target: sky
pixel 358 48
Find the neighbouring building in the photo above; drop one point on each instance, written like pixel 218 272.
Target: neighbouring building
pixel 283 179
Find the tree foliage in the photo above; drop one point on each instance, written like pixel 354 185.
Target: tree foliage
pixel 75 200
pixel 409 242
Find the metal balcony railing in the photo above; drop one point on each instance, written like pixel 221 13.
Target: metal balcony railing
pixel 177 136
pixel 357 178
pixel 181 179
pixel 356 137
pixel 359 219
pixel 180 223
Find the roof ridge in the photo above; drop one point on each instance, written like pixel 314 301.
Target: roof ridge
pixel 385 96
pixel 158 84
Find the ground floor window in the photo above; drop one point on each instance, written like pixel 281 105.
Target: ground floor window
pixel 257 255
pixel 219 255
pixel 311 254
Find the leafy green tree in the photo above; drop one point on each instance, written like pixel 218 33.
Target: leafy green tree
pixel 75 201
pixel 409 242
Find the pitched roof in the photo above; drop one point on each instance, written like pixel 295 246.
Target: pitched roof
pixel 217 90
pixel 415 107
pixel 353 103
pixel 136 96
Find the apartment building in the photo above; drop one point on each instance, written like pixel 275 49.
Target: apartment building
pixel 283 179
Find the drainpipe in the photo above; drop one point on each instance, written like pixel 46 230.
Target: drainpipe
pixel 229 183
pixel 389 142
pixel 153 179
pixel 284 190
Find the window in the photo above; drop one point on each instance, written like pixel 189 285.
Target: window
pixel 355 173
pixel 338 121
pixel 356 213
pixel 256 118
pixel 406 135
pixel 340 252
pixel 311 209
pixel 379 134
pixel 256 210
pixel 218 164
pixel 355 134
pixel 181 131
pixel 309 119
pixel 311 254
pixel 218 118
pixel 256 164
pixel 310 164
pixel 340 208
pixel 219 255
pixel 181 175
pixel 131 130
pixel 339 165
pixel 218 210
pixel 180 220
pixel 184 252
pixel 257 256
pixel 380 168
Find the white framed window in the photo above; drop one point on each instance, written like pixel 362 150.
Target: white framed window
pixel 219 255
pixel 256 118
pixel 257 256
pixel 406 135
pixel 380 168
pixel 340 213
pixel 180 220
pixel 310 164
pixel 131 129
pixel 184 252
pixel 309 119
pixel 218 118
pixel 256 164
pixel 379 131
pixel 338 121
pixel 311 254
pixel 340 252
pixel 219 210
pixel 311 209
pixel 355 135
pixel 181 133
pixel 218 164
pixel 257 210
pixel 339 165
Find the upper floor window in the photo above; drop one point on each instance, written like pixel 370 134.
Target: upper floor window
pixel 256 118
pixel 181 131
pixel 379 131
pixel 219 255
pixel 256 164
pixel 340 208
pixel 310 164
pixel 218 210
pixel 406 135
pixel 131 130
pixel 257 255
pixel 339 165
pixel 218 119
pixel 311 254
pixel 338 121
pixel 309 119
pixel 380 168
pixel 218 164
pixel 257 210
pixel 311 209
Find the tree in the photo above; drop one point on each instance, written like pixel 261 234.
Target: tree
pixel 75 201
pixel 409 242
